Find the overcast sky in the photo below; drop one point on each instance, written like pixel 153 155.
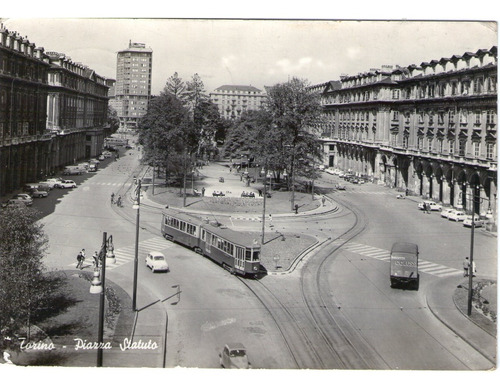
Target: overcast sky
pixel 256 52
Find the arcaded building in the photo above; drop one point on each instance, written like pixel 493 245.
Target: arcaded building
pixel 429 129
pixel 233 100
pixel 133 85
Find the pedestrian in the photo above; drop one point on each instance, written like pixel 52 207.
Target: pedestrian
pixel 95 256
pixel 260 192
pixel 466 267
pixel 323 200
pixel 112 198
pixel 203 191
pixel 296 208
pixel 119 201
pixel 80 259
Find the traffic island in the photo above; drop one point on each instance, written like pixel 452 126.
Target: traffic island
pixel 484 303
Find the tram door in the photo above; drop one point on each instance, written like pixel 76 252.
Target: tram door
pixel 239 261
pixel 207 237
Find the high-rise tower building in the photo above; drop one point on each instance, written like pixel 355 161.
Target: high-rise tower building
pixel 133 84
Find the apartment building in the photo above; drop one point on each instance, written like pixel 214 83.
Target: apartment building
pixel 233 100
pixel 429 129
pixel 133 85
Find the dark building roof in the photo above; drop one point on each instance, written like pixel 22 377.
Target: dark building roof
pixel 235 87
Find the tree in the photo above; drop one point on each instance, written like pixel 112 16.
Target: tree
pixel 176 86
pixel 195 92
pixel 167 133
pixel 24 289
pixel 113 119
pixel 295 111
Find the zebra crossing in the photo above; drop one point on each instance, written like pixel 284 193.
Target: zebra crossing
pixel 424 266
pixel 115 184
pixel 127 254
pixel 357 190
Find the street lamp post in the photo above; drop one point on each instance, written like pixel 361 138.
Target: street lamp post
pixel 100 333
pixel 136 206
pixel 264 203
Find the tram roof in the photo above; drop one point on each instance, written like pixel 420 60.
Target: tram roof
pixel 247 239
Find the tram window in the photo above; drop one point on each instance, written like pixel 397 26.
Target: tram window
pixel 248 254
pixel 203 235
pixel 256 255
pixel 183 226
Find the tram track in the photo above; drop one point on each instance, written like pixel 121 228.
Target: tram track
pixel 317 334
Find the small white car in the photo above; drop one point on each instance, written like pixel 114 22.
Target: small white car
pixel 234 356
pixel 157 262
pixel 457 216
pixel 432 204
pixel 446 212
pixel 56 181
pixel 468 221
pixel 67 184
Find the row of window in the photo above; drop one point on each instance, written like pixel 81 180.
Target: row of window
pixel 478 85
pixel 181 225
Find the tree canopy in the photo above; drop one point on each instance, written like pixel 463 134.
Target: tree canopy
pixel 24 289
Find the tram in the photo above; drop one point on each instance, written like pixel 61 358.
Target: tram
pixel 233 250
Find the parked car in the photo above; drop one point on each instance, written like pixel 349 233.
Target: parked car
pixel 56 181
pixel 340 187
pixel 329 170
pixel 68 184
pixel 92 167
pixel 477 221
pixel 446 212
pixel 102 157
pixel 14 203
pixel 27 199
pixel 157 262
pixel 33 189
pixel 456 216
pixel 74 170
pixel 107 154
pixel 432 204
pixel 38 193
pixel 234 356
pixel 218 193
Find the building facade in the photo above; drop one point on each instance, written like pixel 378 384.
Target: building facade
pixel 133 85
pixel 233 100
pixel 77 110
pixel 53 112
pixel 429 129
pixel 23 108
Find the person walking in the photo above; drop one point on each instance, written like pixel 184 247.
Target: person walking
pixel 323 200
pixel 80 258
pixel 112 198
pixel 203 191
pixel 95 256
pixel 119 201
